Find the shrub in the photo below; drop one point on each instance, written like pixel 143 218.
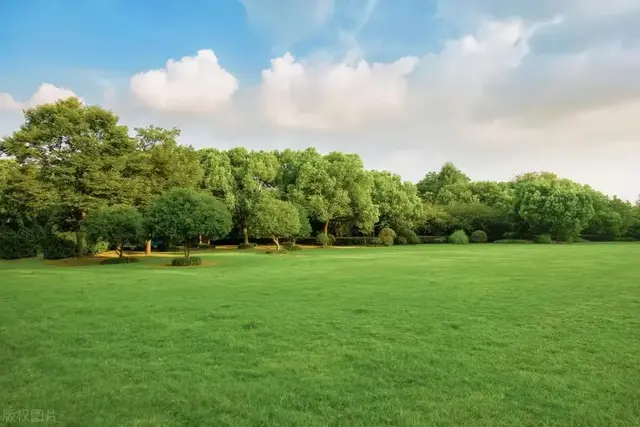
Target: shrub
pixel 97 248
pixel 433 239
pixel 459 237
pixel 402 240
pixel 410 236
pixel 479 236
pixel 544 239
pixel 624 239
pixel 186 262
pixel 325 239
pixel 18 243
pixel 513 241
pixel 119 260
pixel 356 241
pixel 386 236
pixel 55 247
pixel 511 235
pixel 247 246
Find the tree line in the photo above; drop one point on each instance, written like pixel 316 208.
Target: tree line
pixel 72 168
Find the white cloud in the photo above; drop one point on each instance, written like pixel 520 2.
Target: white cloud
pixel 45 94
pixel 191 85
pixel 334 95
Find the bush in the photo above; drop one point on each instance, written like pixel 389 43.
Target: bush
pixel 18 243
pixel 402 241
pixel 325 239
pixel 544 239
pixel 410 236
pixel 184 262
pixel 119 260
pixel 356 241
pixel 513 241
pixel 55 247
pixel 479 236
pixel 386 236
pixel 433 239
pixel 247 246
pixel 459 237
pixel 97 248
pixel 511 235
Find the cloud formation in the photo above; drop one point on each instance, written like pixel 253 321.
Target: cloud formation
pixel 45 94
pixel 192 85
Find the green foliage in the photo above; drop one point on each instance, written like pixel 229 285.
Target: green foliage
pixel 356 241
pixel 479 236
pixel 459 237
pixel 513 241
pixel 275 219
pixel 386 236
pixel 117 225
pixel 119 260
pixel 56 247
pixel 402 241
pixel 247 246
pixel 18 242
pixel 397 202
pixel 325 239
pixel 183 214
pixel 409 236
pixel 276 252
pixel 291 247
pixel 544 239
pixel 97 248
pixel 450 185
pixel 186 262
pixel 580 240
pixel 558 207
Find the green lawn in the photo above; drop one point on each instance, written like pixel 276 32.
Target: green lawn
pixel 444 335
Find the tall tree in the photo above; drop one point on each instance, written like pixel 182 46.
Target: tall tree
pixel 79 153
pixel 118 225
pixel 448 185
pixel 398 203
pixel 336 188
pixel 161 164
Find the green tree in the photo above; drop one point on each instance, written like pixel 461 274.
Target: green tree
pixel 336 188
pixel 558 207
pixel 161 164
pixel 185 214
pixel 118 225
pixel 305 226
pixel 398 203
pixel 78 153
pixel 275 219
pixel 448 185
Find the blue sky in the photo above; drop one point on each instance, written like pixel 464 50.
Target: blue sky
pixel 496 86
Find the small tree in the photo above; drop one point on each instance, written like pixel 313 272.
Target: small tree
pixel 275 219
pixel 386 236
pixel 118 225
pixel 185 214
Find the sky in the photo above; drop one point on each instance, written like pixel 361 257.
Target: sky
pixel 499 87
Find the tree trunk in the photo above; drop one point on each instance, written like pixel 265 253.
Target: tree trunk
pixel 246 235
pixel 147 247
pixel 79 243
pixel 186 249
pixel 119 250
pixel 275 239
pixel 326 228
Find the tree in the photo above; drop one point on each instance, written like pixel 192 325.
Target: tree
pixel 185 214
pixel 118 225
pixel 398 203
pixel 161 164
pixel 558 207
pixel 78 153
pixel 274 219
pixel 336 188
pixel 444 187
pixel 240 178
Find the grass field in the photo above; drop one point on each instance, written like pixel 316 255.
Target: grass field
pixel 443 335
